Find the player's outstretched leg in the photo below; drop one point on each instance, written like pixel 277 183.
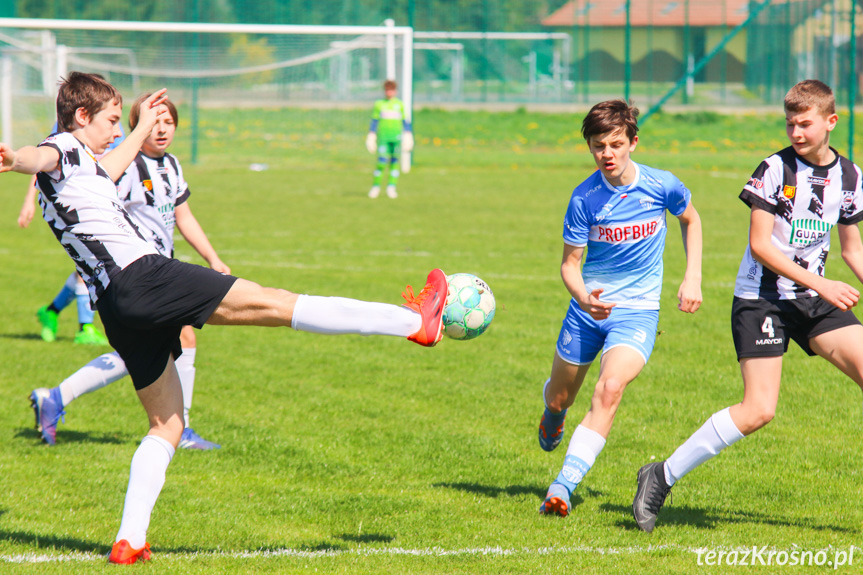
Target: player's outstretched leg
pixel 551 425
pixel 47 406
pixel 650 495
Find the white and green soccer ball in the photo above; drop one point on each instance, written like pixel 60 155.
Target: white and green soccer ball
pixel 469 307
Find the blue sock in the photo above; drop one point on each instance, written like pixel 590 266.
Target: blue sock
pixel 574 470
pixel 64 298
pixel 85 313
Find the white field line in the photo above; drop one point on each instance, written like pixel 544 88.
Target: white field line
pixel 73 557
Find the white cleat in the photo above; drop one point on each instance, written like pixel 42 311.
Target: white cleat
pixel 391 192
pixel 375 192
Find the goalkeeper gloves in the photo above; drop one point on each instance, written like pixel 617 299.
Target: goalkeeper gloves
pixel 372 143
pixel 407 141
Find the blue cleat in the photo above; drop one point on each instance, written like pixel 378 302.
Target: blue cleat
pixel 191 440
pixel 556 501
pixel 551 429
pixel 47 405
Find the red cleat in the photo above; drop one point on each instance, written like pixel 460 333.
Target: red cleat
pixel 123 554
pixel 429 304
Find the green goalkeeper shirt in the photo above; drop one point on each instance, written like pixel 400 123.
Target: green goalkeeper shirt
pixel 389 115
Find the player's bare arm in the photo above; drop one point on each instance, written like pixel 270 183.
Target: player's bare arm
pixel 852 248
pixel 117 160
pixel 689 295
pixel 837 293
pixel 192 231
pixel 28 160
pixel 570 272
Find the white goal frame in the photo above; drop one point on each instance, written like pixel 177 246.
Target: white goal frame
pixel 60 54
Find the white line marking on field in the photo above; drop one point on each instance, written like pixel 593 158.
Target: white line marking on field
pixel 28 558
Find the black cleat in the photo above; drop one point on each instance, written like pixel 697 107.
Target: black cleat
pixel 651 494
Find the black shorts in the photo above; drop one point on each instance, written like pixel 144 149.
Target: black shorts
pixel 762 328
pixel 148 303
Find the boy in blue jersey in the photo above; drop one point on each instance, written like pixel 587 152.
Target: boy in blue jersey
pixel 617 215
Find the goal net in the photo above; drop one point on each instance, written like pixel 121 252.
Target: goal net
pixel 324 77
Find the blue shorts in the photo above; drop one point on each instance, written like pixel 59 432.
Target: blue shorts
pixel 582 337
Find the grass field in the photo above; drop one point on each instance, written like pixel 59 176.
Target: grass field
pixel 373 455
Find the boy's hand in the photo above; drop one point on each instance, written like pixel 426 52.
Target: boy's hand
pixel 839 294
pixel 151 109
pixel 219 266
pixel 7 158
pixel 26 215
pixel 372 143
pixel 407 141
pixel 598 310
pixel 689 296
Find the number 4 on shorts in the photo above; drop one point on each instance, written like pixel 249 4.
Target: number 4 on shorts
pixel 767 327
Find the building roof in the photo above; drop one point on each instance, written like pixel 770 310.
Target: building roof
pixel 650 13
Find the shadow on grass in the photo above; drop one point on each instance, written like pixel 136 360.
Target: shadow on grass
pixel 69 544
pixel 702 519
pixel 32 336
pixel 54 542
pixel 68 436
pixel 512 490
pixel 366 538
pixel 493 490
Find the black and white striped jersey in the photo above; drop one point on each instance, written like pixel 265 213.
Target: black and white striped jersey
pixel 80 203
pixel 807 201
pixel 150 189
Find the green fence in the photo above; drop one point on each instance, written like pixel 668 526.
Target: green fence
pixel 747 52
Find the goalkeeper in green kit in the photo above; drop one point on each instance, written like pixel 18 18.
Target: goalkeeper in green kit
pixel 389 131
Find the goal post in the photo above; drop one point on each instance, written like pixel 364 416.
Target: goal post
pixel 203 64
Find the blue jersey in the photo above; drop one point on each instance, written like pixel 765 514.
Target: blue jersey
pixel 624 232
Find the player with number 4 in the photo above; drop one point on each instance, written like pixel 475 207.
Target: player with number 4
pixel 796 196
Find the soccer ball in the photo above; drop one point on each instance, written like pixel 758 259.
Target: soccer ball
pixel 469 307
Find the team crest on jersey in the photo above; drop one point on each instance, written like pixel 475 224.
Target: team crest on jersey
pixel 148 184
pixel 789 191
pixel 646 203
pixel 805 232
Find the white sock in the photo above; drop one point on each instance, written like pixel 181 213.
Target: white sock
pixel 716 434
pixel 186 370
pixel 146 478
pixel 338 315
pixel 586 444
pixel 105 369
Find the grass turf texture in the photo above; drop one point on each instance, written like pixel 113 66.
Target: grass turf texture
pixel 357 455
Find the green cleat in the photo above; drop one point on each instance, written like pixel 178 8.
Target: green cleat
pixel 48 319
pixel 89 335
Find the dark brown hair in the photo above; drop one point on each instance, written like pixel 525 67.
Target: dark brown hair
pixel 135 112
pixel 810 94
pixel 80 90
pixel 610 116
pixel 390 85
